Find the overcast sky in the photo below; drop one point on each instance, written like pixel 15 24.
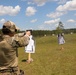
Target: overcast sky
pixel 38 14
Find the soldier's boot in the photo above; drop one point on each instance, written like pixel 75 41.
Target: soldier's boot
pixel 22 72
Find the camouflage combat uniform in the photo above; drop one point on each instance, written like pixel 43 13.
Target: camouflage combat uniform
pixel 8 53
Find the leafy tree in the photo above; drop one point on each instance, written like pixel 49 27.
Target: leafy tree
pixel 60 28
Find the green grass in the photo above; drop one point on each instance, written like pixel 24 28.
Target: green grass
pixel 49 59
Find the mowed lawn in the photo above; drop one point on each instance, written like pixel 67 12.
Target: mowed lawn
pixel 49 59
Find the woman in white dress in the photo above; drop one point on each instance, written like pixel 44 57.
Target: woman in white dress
pixel 61 40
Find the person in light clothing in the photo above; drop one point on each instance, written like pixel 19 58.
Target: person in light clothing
pixel 61 40
pixel 30 48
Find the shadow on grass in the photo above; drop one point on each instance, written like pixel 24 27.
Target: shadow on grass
pixel 24 60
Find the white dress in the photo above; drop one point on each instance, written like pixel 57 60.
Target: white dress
pixel 61 40
pixel 30 48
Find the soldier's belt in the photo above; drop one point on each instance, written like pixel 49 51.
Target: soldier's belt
pixel 11 69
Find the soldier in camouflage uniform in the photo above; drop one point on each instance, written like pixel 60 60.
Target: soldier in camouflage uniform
pixel 9 42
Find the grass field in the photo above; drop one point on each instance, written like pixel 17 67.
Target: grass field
pixel 49 59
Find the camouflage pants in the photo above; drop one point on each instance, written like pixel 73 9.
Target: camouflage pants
pixel 11 71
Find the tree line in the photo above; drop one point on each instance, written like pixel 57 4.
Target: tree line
pixel 59 29
pixel 40 33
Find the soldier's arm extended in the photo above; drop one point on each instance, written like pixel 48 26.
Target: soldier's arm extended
pixel 21 40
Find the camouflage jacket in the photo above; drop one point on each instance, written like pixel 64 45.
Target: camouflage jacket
pixel 8 50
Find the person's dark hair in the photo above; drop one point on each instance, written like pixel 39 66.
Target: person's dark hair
pixel 61 34
pixel 58 35
pixel 29 30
